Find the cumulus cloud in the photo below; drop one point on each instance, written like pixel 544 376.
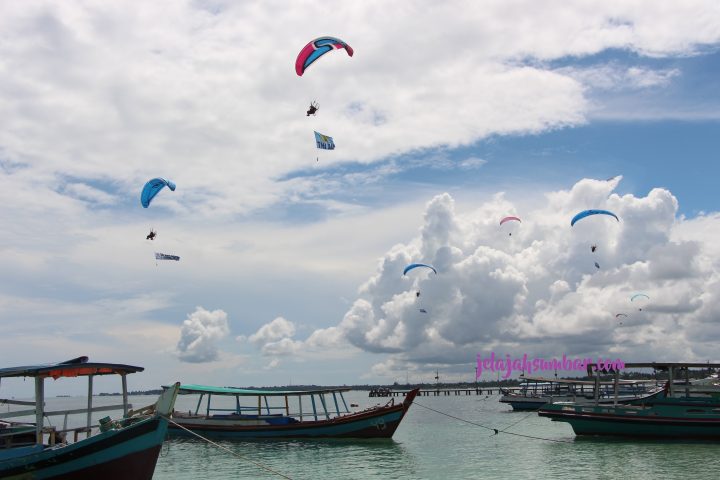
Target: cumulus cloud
pixel 274 338
pixel 538 291
pixel 273 331
pixel 199 335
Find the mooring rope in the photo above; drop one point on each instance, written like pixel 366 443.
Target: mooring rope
pixel 523 418
pixel 494 429
pixel 243 457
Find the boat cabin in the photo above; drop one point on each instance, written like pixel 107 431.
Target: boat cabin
pixel 13 433
pixel 275 407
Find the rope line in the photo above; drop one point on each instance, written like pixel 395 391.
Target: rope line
pixel 493 429
pixel 523 418
pixel 243 457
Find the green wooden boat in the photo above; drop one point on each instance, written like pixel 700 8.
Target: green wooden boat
pixel 683 410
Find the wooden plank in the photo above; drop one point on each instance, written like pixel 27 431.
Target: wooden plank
pixel 25 413
pixel 7 401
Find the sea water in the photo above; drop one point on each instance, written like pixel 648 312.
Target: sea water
pixel 428 445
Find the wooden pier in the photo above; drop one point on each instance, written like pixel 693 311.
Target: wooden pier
pixel 439 392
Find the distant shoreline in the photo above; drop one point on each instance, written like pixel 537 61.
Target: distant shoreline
pixel 423 386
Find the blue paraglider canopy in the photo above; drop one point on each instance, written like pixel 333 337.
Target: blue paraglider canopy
pixel 152 188
pixel 587 213
pixel 416 265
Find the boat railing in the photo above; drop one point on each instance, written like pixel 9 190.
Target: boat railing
pixel 55 433
pixel 267 411
pixel 320 408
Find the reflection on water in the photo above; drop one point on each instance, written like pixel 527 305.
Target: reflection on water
pixel 341 459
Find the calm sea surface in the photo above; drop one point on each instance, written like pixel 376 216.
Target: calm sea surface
pixel 432 446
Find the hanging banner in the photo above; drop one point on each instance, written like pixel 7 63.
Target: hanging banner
pixel 324 142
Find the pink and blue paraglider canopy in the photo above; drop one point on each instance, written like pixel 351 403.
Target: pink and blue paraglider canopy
pixel 316 49
pixel 507 219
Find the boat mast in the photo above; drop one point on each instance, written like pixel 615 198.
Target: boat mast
pixel 89 403
pixel 123 376
pixel 617 385
pixel 39 408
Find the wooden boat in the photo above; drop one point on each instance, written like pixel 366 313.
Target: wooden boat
pixel 247 413
pixel 534 392
pixel 114 449
pixel 677 411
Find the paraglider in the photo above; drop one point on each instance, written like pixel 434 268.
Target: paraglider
pixel 314 107
pixel 620 315
pixel 641 298
pixel 422 310
pixel 152 188
pixel 151 235
pixel 316 49
pixel 587 213
pixel 416 265
pixel 507 219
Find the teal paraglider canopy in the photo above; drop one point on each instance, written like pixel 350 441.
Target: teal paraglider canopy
pixel 416 265
pixel 152 188
pixel 587 213
pixel 641 298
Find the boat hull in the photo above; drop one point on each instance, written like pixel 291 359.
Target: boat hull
pixel 523 403
pixel 379 422
pixel 659 417
pixel 130 452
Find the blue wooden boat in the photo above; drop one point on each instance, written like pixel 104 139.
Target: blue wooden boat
pixel 681 410
pixel 115 449
pixel 534 392
pixel 253 413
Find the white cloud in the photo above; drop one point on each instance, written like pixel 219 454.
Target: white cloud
pixel 284 346
pixel 103 93
pixel 277 329
pixel 621 77
pixel 88 193
pixel 471 163
pixel 199 335
pixel 274 363
pixel 538 292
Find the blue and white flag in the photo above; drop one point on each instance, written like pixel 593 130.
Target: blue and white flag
pixel 324 142
pixel 162 256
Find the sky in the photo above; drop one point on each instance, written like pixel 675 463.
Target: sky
pixel 447 118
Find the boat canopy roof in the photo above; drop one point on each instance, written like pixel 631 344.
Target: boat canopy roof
pixel 249 392
pixel 77 367
pixel 579 382
pixel 666 365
